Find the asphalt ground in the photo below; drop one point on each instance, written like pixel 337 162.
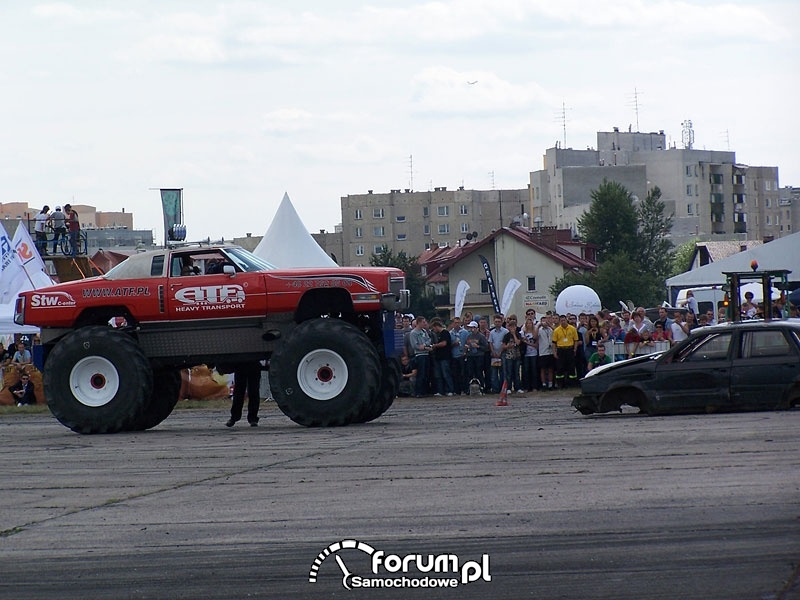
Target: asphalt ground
pixel 560 505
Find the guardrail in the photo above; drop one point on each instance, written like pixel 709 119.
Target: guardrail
pixel 617 350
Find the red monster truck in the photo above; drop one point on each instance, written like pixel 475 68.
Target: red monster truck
pixel 115 344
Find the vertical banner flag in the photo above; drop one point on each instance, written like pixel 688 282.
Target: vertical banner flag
pixel 12 275
pixel 30 259
pixel 26 251
pixel 508 295
pixel 461 295
pixel 490 281
pixel 172 207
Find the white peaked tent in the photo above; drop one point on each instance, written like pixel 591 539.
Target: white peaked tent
pixel 288 244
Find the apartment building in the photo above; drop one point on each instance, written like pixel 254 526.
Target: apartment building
pixel 412 222
pixel 708 193
pixel 769 213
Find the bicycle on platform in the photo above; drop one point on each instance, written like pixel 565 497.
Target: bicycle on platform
pixel 61 241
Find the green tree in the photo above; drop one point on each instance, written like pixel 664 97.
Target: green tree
pixel 634 252
pixel 618 278
pixel 682 258
pixel 655 252
pixel 415 282
pixel 611 221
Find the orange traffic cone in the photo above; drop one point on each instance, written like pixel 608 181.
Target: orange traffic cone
pixel 503 400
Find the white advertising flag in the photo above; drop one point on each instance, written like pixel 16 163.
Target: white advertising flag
pixel 12 275
pixel 508 295
pixel 461 295
pixel 27 253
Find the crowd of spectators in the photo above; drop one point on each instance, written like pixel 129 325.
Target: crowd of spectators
pixel 541 352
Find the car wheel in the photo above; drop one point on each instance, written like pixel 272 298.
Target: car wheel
pixel 97 380
pixel 325 373
pixel 166 391
pixel 390 385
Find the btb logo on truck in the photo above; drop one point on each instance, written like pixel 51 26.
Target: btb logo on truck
pixel 210 297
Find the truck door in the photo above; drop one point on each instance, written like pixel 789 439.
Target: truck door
pixel 194 293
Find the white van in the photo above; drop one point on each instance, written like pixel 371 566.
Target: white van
pixel 708 298
pixel 713 296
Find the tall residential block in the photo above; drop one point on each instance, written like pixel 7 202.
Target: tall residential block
pixel 412 222
pixel 708 193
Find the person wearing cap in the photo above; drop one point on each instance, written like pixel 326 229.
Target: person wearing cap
pixel 59 222
pixel 475 348
pixel 40 229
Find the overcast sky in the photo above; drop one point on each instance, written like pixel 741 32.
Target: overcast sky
pixel 239 102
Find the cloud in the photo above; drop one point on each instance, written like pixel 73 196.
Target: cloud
pixel 288 120
pixel 70 14
pixel 255 32
pixel 360 149
pixel 443 90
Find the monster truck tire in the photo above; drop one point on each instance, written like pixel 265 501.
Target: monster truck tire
pixel 387 392
pixel 166 389
pixel 97 380
pixel 324 374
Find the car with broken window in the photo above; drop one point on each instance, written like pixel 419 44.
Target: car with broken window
pixel 747 365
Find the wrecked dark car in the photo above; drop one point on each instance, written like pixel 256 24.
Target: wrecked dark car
pixel 749 365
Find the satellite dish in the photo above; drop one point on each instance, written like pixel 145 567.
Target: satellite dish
pixel 475 234
pixel 469 236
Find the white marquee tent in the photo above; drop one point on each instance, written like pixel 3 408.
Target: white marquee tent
pixel 288 244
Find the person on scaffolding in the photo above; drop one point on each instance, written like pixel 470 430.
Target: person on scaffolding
pixel 73 227
pixel 58 221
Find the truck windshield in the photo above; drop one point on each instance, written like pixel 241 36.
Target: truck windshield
pixel 248 261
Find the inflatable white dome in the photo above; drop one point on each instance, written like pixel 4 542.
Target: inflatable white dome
pixel 577 299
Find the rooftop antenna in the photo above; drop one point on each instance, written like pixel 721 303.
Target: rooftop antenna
pixel 411 172
pixel 491 176
pixel 688 134
pixel 562 118
pixel 636 105
pixel 727 136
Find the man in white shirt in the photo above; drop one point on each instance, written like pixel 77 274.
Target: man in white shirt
pixel 680 330
pixel 40 229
